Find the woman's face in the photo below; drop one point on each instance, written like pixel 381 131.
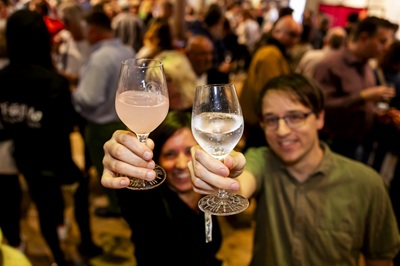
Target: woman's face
pixel 174 157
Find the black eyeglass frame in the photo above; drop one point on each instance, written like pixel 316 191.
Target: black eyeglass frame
pixel 274 120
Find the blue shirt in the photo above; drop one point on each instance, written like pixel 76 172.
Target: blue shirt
pixel 94 98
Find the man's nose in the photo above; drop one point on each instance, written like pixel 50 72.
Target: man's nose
pixel 283 127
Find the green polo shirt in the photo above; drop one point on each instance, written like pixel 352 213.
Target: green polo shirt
pixel 342 210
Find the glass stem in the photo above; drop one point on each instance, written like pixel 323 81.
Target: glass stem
pixel 142 137
pixel 222 193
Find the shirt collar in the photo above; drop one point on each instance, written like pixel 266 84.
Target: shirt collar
pixel 351 59
pixel 323 169
pixel 111 42
pixel 325 166
pixel 273 41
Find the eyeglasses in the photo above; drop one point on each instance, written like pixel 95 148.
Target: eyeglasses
pixel 293 120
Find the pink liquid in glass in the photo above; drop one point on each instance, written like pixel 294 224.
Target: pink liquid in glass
pixel 141 111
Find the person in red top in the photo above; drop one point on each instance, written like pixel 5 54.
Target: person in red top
pixel 53 24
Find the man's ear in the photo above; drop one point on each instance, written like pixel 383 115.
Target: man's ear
pixel 262 124
pixel 321 120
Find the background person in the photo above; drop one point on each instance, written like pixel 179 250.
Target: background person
pixel 269 61
pixel 167 226
pixel 35 103
pixel 313 206
pixel 334 39
pixel 94 98
pixel 351 88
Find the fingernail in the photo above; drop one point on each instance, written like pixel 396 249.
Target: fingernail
pixel 150 175
pixel 223 172
pixel 124 182
pixel 151 165
pixel 235 186
pixel 147 155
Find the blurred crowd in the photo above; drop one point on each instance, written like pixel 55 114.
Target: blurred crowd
pixel 60 63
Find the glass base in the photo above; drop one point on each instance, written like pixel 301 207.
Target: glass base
pixel 382 106
pixel 140 184
pixel 229 204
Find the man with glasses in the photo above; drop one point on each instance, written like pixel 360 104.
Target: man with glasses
pixel 314 207
pixel 269 61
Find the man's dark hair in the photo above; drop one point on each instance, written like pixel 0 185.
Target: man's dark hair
pixel 213 15
pixel 336 41
pixel 285 11
pixel 370 25
pixel 299 87
pixel 395 27
pixel 42 7
pixel 99 19
pixel 352 17
pixel 391 57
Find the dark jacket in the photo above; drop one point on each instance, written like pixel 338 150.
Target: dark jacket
pixel 35 102
pixel 165 231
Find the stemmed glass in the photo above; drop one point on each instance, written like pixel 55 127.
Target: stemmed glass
pixel 384 104
pixel 217 125
pixel 142 104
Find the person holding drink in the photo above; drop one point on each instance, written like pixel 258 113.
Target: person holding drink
pixel 314 207
pixel 169 219
pixel 167 226
pixel 353 99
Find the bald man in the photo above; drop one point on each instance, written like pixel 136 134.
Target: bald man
pixel 334 40
pixel 199 50
pixel 269 61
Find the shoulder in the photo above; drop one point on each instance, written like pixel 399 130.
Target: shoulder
pixel 111 47
pixel 333 62
pixel 356 173
pixel 268 50
pixel 312 55
pixel 256 155
pixel 332 58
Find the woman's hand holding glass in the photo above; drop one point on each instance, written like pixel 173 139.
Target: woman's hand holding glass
pixel 126 155
pixel 142 104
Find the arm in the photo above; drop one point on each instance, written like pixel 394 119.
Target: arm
pixel 125 155
pixel 337 98
pixel 209 174
pixel 378 262
pixel 381 241
pixel 331 83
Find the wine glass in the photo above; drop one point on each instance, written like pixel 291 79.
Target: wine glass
pixel 217 125
pixel 142 104
pixel 384 104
